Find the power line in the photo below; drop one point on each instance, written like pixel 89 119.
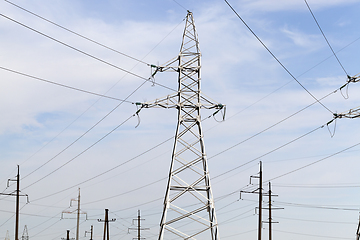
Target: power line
pixel 325 38
pixel 312 235
pixel 87 54
pixel 307 165
pixel 317 221
pixel 77 34
pixel 87 180
pixel 315 206
pixel 65 86
pixel 98 122
pixel 99 98
pixel 276 57
pixel 79 153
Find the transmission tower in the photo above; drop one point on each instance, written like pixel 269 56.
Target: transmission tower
pixel 7 235
pixel 188 204
pixel 25 235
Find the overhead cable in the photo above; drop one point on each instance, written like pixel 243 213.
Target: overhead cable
pixel 77 34
pixel 307 165
pixel 325 38
pixel 276 58
pixel 63 85
pixel 87 54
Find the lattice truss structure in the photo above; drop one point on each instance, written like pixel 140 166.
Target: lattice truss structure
pixel 189 211
pixel 352 113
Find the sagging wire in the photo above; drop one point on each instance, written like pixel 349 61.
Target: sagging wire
pixel 222 109
pixel 139 106
pixel 353 79
pixel 152 76
pixel 332 134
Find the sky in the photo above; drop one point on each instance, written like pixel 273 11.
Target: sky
pixel 64 139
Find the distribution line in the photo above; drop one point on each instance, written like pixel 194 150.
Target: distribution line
pixel 87 54
pixel 87 180
pixel 226 172
pixel 77 34
pixel 105 93
pixel 65 86
pixel 208 158
pixel 82 152
pixel 270 126
pixel 307 165
pixel 277 58
pixel 98 122
pixel 325 38
pixel 312 235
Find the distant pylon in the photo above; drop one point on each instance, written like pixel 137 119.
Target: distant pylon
pixel 7 235
pixel 189 210
pixel 25 235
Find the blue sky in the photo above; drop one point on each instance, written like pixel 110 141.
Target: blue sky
pixel 41 120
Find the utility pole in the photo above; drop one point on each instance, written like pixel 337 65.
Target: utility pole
pixel 68 236
pixel 18 195
pixel 358 231
pixel 270 208
pixel 78 212
pixel 106 224
pixel 258 191
pixel 189 179
pixel 91 233
pixel 139 229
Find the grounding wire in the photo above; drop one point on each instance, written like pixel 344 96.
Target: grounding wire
pixel 77 34
pixel 87 54
pixel 276 57
pixel 176 3
pixel 325 38
pixel 65 86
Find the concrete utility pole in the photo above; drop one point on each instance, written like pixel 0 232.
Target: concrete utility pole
pixel 358 231
pixel 78 217
pixel 91 233
pixel 139 229
pixel 78 212
pixel 18 195
pixel 189 179
pixel 106 224
pixel 68 236
pixel 270 208
pixel 258 191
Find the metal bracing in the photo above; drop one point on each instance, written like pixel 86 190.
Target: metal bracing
pixel 352 113
pixel 189 210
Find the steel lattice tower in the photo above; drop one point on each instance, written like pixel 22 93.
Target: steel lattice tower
pixel 189 211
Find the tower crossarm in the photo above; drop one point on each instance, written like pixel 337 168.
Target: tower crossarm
pixel 171 101
pixel 352 113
